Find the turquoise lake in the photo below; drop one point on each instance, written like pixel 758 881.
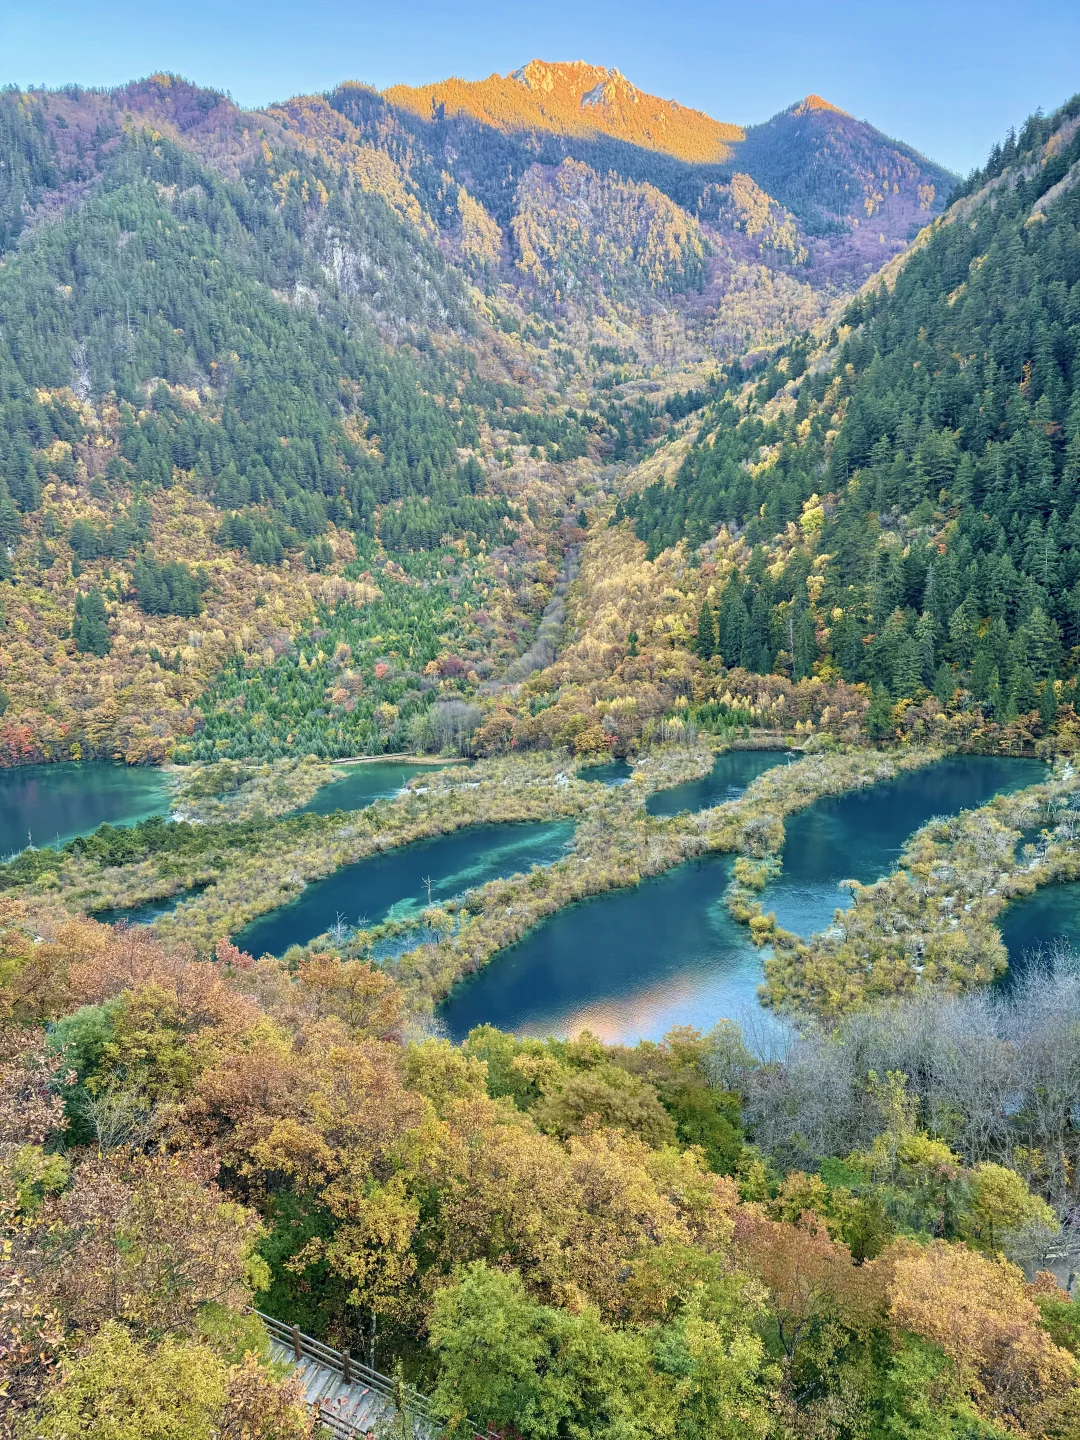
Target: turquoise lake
pixel 392 886
pixel 627 965
pixel 612 772
pixel 729 777
pixel 362 786
pixel 859 836
pixel 48 804
pixel 631 964
pixel 1051 914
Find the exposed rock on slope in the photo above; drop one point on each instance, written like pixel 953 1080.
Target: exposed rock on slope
pixel 575 99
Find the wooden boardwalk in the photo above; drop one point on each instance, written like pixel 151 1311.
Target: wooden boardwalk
pixel 351 1397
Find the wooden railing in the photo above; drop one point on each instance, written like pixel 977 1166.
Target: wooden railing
pixel 404 1398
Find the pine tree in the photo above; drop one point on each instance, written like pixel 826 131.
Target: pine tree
pixel 1023 691
pixel 963 630
pixel 846 644
pixel 906 671
pixel 806 647
pixel 994 702
pixel 706 632
pixel 926 631
pixel 944 683
pixel 90 626
pixel 734 623
pixel 879 718
pixel 1048 704
pixel 10 524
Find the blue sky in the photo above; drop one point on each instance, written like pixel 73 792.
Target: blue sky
pixel 948 77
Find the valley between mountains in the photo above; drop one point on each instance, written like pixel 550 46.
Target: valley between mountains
pixel 539 808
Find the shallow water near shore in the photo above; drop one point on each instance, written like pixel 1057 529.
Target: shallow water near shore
pixel 393 885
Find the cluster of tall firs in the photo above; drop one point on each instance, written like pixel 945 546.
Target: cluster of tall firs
pixel 948 536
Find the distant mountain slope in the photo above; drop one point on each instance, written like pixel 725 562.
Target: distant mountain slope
pixel 857 196
pixel 575 99
pixel 905 498
pixel 839 175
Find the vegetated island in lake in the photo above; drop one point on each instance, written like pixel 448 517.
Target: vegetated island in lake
pixel 631 964
pixel 227 875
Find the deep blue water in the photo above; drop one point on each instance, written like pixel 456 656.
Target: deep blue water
pixel 631 964
pixel 48 804
pixel 392 885
pixel 859 836
pixel 1052 913
pixel 729 777
pixel 627 965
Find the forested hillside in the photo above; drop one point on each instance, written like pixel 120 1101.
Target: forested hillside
pixel 857 196
pixel 387 355
pixel 905 495
pixel 183 388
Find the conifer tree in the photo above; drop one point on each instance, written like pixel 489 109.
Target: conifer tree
pixel 805 651
pixel 944 683
pixel 879 718
pixel 706 632
pixel 1048 704
pixel 1024 694
pixel 90 627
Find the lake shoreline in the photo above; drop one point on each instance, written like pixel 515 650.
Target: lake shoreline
pixel 403 758
pixel 619 845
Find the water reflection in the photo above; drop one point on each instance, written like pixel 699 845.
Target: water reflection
pixel 1047 918
pixel 628 965
pixel 613 772
pixel 50 804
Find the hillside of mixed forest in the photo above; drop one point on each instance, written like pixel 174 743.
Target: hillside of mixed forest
pixel 387 355
pixel 897 504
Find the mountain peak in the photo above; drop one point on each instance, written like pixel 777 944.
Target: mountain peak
pixel 816 102
pixel 578 82
pixel 572 97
